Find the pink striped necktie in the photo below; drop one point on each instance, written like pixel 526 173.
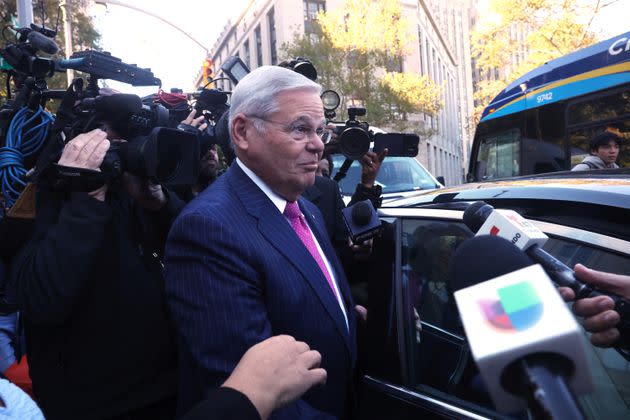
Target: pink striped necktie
pixel 295 216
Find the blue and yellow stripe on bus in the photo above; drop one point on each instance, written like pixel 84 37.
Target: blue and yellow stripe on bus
pixel 581 84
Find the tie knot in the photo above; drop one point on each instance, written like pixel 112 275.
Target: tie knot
pixel 292 210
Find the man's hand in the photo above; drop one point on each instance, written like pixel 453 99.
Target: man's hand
pixel 599 316
pixel 362 251
pixel 370 165
pixel 276 372
pixel 198 122
pixel 362 312
pixel 87 151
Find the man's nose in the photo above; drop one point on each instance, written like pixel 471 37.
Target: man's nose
pixel 315 143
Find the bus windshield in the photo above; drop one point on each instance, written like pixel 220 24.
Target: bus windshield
pixel 543 121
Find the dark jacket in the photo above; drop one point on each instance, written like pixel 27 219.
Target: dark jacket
pixel 223 403
pixel 99 339
pixel 324 193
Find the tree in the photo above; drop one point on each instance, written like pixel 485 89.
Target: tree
pixel 84 35
pixel 551 29
pixel 356 49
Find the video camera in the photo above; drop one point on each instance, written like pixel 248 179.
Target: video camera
pixel 355 138
pixel 167 155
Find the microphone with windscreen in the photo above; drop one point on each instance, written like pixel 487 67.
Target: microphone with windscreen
pixel 483 219
pixel 114 106
pixel 362 221
pixel 528 347
pixel 42 42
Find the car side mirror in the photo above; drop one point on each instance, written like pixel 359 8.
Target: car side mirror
pixel 441 180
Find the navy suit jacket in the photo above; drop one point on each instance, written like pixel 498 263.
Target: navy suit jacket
pixel 236 274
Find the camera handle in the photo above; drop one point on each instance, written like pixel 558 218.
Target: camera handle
pixel 343 171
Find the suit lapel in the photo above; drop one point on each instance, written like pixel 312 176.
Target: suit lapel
pixel 331 255
pixel 277 230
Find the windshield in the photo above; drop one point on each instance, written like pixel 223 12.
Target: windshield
pixel 396 174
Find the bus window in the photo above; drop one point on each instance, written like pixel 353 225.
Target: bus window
pixel 586 117
pixel 543 144
pixel 499 155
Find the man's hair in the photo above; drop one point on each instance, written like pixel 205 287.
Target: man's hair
pixel 256 93
pixel 602 139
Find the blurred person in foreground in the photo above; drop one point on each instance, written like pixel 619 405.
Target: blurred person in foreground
pixel 270 375
pixel 249 258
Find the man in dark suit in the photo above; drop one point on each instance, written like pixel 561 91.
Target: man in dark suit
pixel 248 258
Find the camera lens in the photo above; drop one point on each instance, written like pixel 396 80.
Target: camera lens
pixel 354 142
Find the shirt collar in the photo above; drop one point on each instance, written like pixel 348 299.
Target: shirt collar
pixel 277 201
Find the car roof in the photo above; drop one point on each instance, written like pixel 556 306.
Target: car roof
pixel 607 187
pixel 595 201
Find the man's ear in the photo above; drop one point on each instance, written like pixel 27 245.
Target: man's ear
pixel 239 132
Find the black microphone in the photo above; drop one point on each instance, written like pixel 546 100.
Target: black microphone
pixel 524 339
pixel 362 221
pixel 470 261
pixel 42 42
pixel 117 104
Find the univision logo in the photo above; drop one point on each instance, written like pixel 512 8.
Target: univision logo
pixel 517 308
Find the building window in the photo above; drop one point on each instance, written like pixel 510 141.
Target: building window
pixel 258 46
pixel 311 7
pixel 272 36
pixel 247 57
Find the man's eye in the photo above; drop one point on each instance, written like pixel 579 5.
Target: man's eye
pixel 302 129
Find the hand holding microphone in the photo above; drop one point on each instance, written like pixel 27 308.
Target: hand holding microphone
pixel 485 220
pixel 598 312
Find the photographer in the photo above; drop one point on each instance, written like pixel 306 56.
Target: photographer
pixel 208 163
pixel 90 286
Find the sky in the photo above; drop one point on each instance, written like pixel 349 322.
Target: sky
pixel 141 39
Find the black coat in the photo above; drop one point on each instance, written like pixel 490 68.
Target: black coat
pixel 99 339
pixel 324 193
pixel 223 404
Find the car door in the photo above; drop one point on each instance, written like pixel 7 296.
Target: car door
pixel 417 363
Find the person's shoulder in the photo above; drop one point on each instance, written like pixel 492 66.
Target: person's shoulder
pixel 326 183
pixel 17 404
pixel 581 167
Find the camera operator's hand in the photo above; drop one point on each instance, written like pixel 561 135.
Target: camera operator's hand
pixel 198 122
pixel 276 372
pixel 362 251
pixel 599 316
pixel 370 164
pixel 149 195
pixel 87 151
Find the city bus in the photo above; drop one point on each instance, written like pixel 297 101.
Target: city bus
pixel 543 121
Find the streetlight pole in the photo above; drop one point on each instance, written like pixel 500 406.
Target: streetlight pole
pixel 67 29
pixel 25 13
pixel 148 12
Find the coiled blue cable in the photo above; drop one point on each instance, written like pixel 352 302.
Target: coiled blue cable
pixel 21 142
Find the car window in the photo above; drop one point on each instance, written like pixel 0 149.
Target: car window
pixel 434 338
pixel 396 174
